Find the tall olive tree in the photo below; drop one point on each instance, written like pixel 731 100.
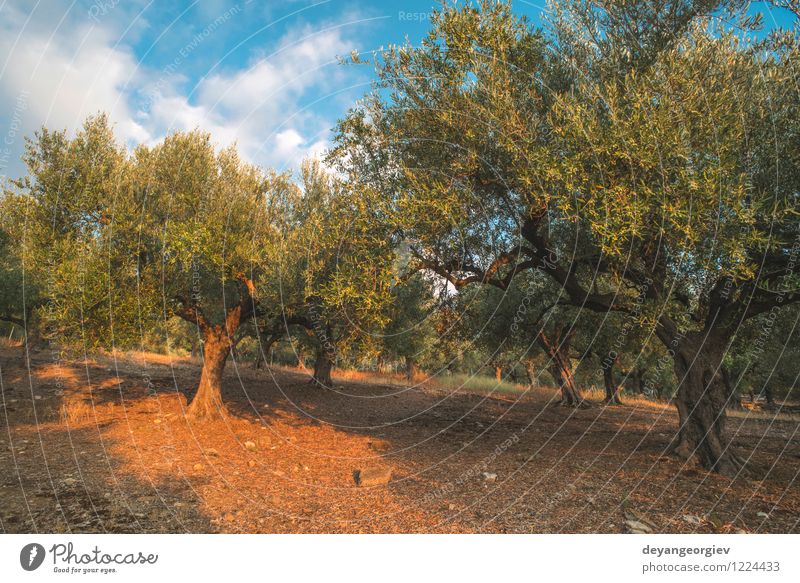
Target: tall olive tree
pixel 121 243
pixel 206 235
pixel 56 222
pixel 336 267
pixel 632 150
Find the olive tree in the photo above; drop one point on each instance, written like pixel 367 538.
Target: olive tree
pixel 336 268
pixel 630 150
pixel 119 244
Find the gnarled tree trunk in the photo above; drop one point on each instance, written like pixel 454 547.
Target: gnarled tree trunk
pixel 612 388
pixel 530 371
pixel 264 351
pixel 557 347
pixel 323 365
pixel 734 401
pixel 638 381
pixel 207 402
pixel 218 342
pixel 411 368
pixel 701 400
pixel 570 393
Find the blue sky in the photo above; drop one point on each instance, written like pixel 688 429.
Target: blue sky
pixel 262 74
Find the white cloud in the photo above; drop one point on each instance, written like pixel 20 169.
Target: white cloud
pixel 65 73
pixel 261 107
pixel 76 68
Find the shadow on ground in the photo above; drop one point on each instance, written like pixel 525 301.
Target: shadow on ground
pixel 104 446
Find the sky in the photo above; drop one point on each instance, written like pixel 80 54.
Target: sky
pixel 262 74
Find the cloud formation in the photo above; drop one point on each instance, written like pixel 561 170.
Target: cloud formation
pixel 69 66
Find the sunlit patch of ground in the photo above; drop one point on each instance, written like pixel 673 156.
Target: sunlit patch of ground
pixel 103 445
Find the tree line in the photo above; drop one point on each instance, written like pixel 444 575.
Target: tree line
pixel 610 195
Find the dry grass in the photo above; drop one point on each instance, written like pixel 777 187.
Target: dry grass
pixel 598 394
pixel 139 357
pixel 478 383
pixel 458 382
pixel 76 411
pixel 763 414
pixel 10 344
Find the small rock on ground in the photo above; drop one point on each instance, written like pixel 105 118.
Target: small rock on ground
pixel 372 476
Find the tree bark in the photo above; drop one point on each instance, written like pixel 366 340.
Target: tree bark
pixel 530 371
pixel 558 347
pixel 612 389
pixel 323 365
pixel 570 393
pixel 411 368
pixel 207 402
pixel 734 401
pixel 638 381
pixel 264 351
pixel 218 342
pixel 701 401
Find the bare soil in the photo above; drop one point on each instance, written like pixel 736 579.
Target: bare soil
pixel 103 446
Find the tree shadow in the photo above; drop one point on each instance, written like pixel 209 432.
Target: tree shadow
pixel 118 454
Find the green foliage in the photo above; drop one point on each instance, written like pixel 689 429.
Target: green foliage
pixel 336 261
pixel 117 244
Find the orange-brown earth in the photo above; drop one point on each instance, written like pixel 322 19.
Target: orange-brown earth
pixel 103 446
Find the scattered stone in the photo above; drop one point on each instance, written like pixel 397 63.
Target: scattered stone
pixel 156 421
pixel 638 524
pixel 762 514
pixel 249 445
pixel 637 527
pixel 69 481
pixel 691 519
pixel 212 452
pixel 451 507
pixel 489 477
pixel 198 467
pixel 38 397
pixel 372 477
pixel 251 463
pixel 229 517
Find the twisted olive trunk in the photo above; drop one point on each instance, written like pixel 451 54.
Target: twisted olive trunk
pixel 530 371
pixel 701 401
pixel 558 348
pixel 218 342
pixel 612 389
pixel 207 402
pixel 411 368
pixel 323 366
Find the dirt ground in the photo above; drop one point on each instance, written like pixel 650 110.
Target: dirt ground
pixel 102 446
